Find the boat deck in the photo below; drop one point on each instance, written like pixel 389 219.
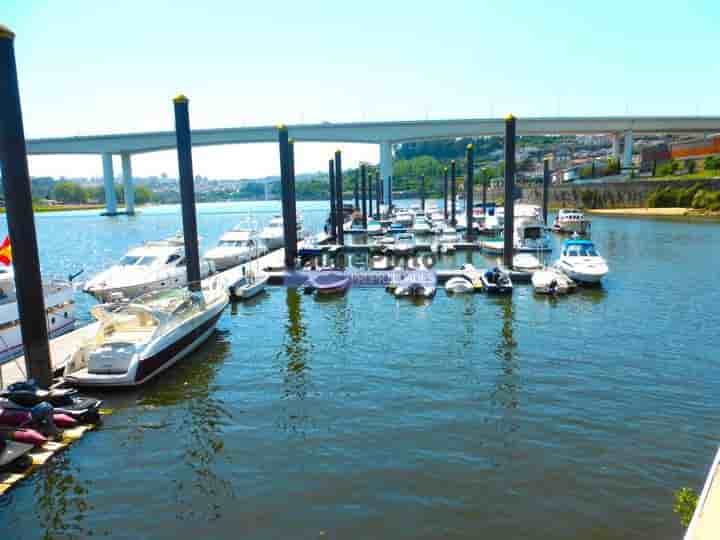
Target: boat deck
pixel 705 524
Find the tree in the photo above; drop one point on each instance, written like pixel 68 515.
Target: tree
pixel 69 192
pixel 712 163
pixel 143 195
pixel 691 166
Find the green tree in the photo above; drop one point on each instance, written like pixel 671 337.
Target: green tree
pixel 686 500
pixel 691 165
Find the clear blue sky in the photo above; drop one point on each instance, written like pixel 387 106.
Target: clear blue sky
pixel 101 67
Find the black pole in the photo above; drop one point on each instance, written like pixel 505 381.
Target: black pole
pixel 370 196
pixel 363 176
pixel 284 147
pixel 509 190
pixel 356 192
pixel 187 191
pixel 422 192
pixel 339 198
pixel 20 219
pixel 484 191
pixel 469 192
pixel 378 194
pixel 333 213
pixel 453 195
pixel 291 244
pixel 445 192
pixel 546 186
pixel 389 193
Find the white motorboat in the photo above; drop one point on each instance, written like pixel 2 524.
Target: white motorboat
pixel 581 262
pixel 571 220
pixel 59 305
pixel 421 226
pixel 241 244
pixel 137 340
pixel 404 244
pixel 530 233
pixel 374 228
pixel 154 265
pixel 459 285
pixel 526 262
pixel 551 281
pixel 386 240
pixel 448 238
pixel 416 289
pixel 273 235
pixel 249 285
pixel 404 218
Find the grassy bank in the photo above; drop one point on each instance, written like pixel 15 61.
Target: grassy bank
pixel 64 208
pixel 656 212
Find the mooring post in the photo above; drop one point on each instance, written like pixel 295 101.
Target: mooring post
pixel 484 190
pixel 187 191
pixel 284 147
pixel 422 192
pixel 546 187
pixel 453 195
pixel 356 191
pixel 333 213
pixel 469 192
pixel 363 179
pixel 378 195
pixel 291 244
pixel 20 219
pixel 389 193
pixel 509 246
pixel 339 198
pixel 445 192
pixel 370 196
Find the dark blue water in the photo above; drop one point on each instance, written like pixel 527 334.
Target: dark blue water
pixel 368 417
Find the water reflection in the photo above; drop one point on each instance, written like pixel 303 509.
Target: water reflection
pixel 61 499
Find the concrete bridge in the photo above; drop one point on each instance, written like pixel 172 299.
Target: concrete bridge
pixel 384 134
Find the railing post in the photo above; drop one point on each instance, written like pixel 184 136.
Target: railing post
pixel 187 191
pixel 20 219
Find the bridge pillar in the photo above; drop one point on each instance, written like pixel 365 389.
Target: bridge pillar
pixel 267 191
pixel 386 166
pixel 128 185
pixel 109 180
pixel 627 152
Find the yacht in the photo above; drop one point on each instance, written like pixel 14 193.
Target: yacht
pixel 581 262
pixel 570 220
pixel 241 244
pixel 530 232
pixel 421 225
pixel 59 305
pixel 139 339
pixel 154 265
pixel 273 235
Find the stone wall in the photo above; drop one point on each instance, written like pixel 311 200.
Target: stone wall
pixel 627 194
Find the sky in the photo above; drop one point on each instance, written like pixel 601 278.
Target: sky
pixel 89 67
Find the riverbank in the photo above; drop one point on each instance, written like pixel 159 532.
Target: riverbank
pixel 655 212
pixel 64 208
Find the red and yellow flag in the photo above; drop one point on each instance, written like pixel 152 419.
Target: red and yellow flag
pixel 6 252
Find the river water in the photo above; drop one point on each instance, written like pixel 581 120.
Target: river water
pixel 367 417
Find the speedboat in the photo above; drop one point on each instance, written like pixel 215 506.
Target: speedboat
pixel 421 226
pixel 236 246
pixel 374 228
pixel 249 285
pixel 153 266
pixel 459 285
pixel 551 281
pixel 326 283
pixel 59 306
pixel 496 281
pixel 404 244
pixel 571 220
pixel 139 339
pixel 580 261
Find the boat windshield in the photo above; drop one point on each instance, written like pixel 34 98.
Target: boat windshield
pixel 130 260
pixel 582 251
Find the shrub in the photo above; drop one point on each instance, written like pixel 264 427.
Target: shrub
pixel 686 500
pixel 691 165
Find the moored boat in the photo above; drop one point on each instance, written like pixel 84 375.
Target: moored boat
pixel 327 283
pixel 571 220
pixel 459 285
pixel 581 262
pixel 551 281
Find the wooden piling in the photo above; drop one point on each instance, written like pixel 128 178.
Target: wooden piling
pixel 20 219
pixel 508 248
pixel 546 187
pixel 469 192
pixel 333 212
pixel 453 194
pixel 339 198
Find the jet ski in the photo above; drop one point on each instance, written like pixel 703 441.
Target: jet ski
pixel 496 281
pixel 13 455
pixel 23 435
pixel 41 417
pixel 63 400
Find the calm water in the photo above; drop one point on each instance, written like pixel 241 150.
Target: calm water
pixel 366 417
